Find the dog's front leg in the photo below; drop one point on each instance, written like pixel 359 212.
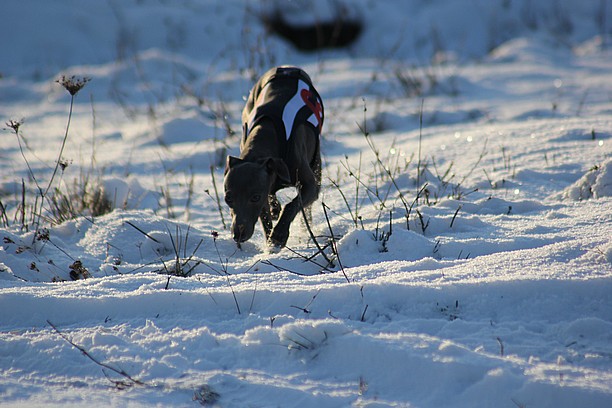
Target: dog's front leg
pixel 266 220
pixel 308 191
pixel 280 234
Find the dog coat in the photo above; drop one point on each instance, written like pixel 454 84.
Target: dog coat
pixel 286 96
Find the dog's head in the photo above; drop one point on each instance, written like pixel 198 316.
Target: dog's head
pixel 247 186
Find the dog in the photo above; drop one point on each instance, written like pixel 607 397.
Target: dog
pixel 280 147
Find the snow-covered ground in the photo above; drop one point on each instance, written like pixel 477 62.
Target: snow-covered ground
pixel 497 292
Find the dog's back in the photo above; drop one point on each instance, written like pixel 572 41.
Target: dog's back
pixel 287 97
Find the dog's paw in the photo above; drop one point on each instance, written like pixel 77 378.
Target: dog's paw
pixel 278 238
pixel 273 248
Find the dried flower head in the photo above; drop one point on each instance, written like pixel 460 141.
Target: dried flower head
pixel 64 163
pixel 14 124
pixel 73 84
pixel 43 235
pixel 78 271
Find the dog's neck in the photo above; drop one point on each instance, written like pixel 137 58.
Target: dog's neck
pixel 261 142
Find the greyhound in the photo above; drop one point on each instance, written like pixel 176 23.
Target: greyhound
pixel 280 147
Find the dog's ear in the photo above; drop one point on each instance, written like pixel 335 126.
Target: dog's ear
pixel 230 162
pixel 278 167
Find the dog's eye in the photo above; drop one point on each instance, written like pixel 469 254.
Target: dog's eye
pixel 228 199
pixel 255 198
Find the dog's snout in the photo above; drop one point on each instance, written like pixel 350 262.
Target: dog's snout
pixel 240 233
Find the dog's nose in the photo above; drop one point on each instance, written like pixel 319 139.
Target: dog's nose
pixel 239 233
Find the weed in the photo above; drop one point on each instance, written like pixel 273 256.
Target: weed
pixel 182 265
pixel 257 56
pixel 452 312
pixel 363 386
pixel 50 204
pixel 436 248
pixel 301 342
pixel 418 81
pixel 223 271
pixel 381 165
pixel 81 198
pixel 383 236
pixel 3 216
pixel 206 395
pixel 78 271
pixel 333 241
pixel 354 216
pixel 305 308
pixel 189 195
pixel 73 85
pixel 423 224
pixel 385 184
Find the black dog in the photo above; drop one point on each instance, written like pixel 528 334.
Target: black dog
pixel 280 148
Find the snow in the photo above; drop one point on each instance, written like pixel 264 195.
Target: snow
pixel 496 290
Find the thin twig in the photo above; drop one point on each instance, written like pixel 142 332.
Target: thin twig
pixel 15 126
pixel 23 206
pixel 353 217
pixel 364 185
pixel 214 182
pixel 59 157
pixel 3 215
pixel 92 358
pixel 480 157
pixel 357 190
pixel 365 309
pixel 380 163
pixel 413 203
pixel 333 239
pixel 455 216
pixel 282 269
pixel 310 258
pixel 312 236
pixel 253 297
pixel 305 308
pixel 142 232
pixel 225 273
pixel 420 142
pixel 501 346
